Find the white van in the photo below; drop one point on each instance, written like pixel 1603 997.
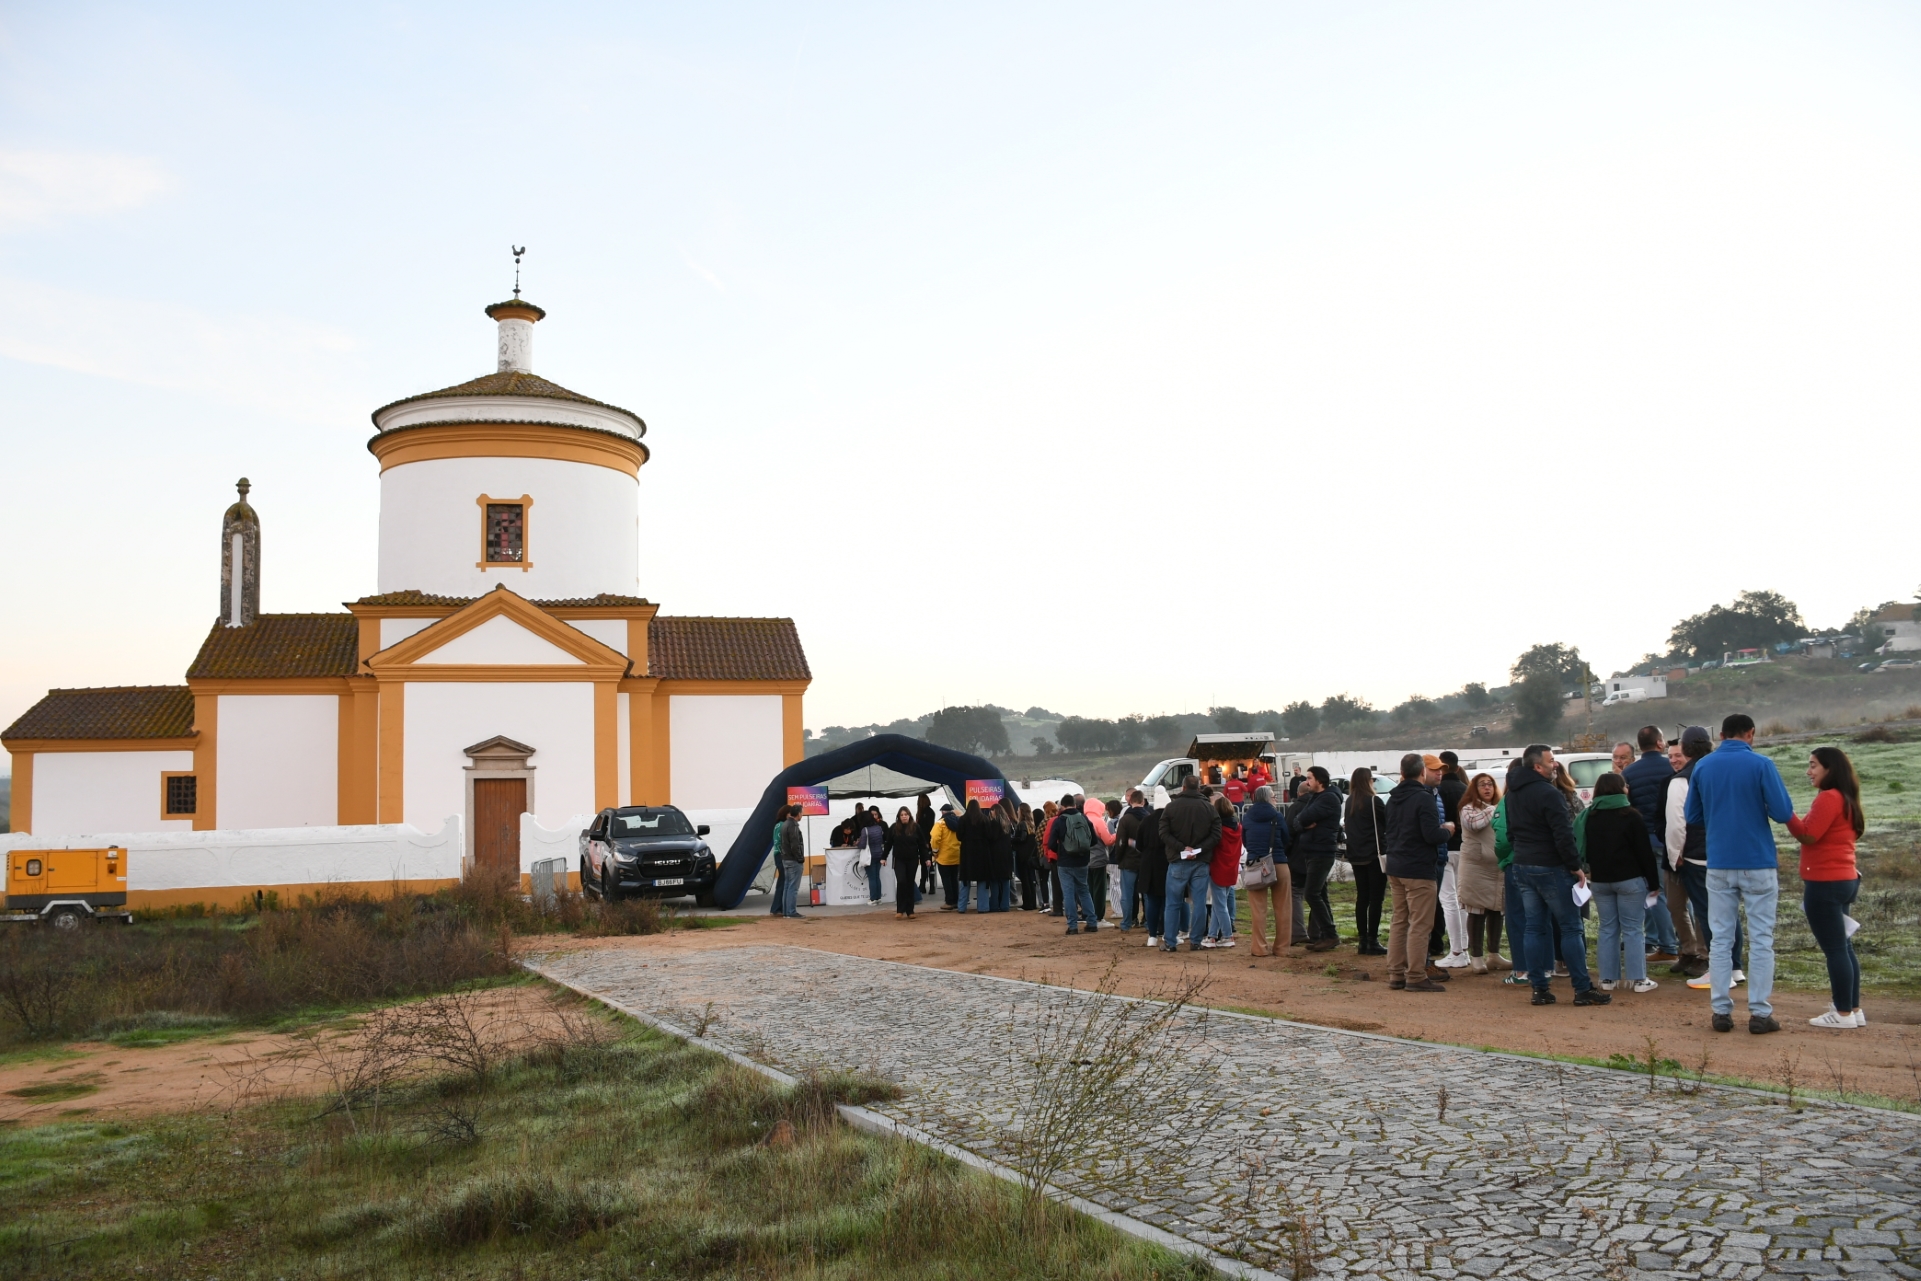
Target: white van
pixel 1625 696
pixel 1206 754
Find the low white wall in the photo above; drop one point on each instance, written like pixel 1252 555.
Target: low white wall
pixel 263 858
pixel 90 791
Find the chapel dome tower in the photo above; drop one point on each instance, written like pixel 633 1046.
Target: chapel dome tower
pixel 509 479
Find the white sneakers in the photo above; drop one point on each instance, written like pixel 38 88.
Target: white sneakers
pixel 1214 942
pixel 1182 938
pixel 1607 985
pixel 1455 960
pixel 1644 985
pixel 1835 1019
pixel 1153 941
pixel 1705 984
pixel 1638 985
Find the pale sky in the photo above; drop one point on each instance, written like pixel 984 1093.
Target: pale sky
pixel 1109 357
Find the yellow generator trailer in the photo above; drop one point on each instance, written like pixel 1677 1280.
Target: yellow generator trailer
pixel 65 887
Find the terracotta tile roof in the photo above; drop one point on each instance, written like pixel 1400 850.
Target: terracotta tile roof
pixel 280 645
pixel 508 383
pixel 725 649
pixel 121 711
pixel 412 597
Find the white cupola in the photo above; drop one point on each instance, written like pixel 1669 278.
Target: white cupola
pixel 509 478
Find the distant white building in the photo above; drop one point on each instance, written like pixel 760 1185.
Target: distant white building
pixel 1893 629
pixel 1652 686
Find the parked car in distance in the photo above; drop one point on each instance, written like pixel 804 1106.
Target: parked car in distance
pixel 1892 664
pixel 646 849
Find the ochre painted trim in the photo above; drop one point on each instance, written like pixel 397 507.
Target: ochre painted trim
pixel 392 802
pixel 270 685
pixel 598 661
pixel 606 744
pixel 20 817
pixel 369 634
pixel 637 629
pixel 186 744
pixel 206 760
pixel 793 740
pixel 661 784
pixel 508 440
pixel 236 898
pixel 165 817
pixel 671 687
pixel 360 798
pixel 425 672
pixel 640 741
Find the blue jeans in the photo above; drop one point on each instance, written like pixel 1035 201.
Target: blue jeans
pixel 1077 899
pixel 1729 889
pixel 1184 876
pixel 1695 877
pixel 1129 881
pixel 996 894
pixel 969 890
pixel 789 888
pixel 1515 913
pixel 1548 893
pixel 1658 926
pixel 873 879
pixel 1154 912
pixel 1220 911
pixel 1825 903
pixel 780 887
pixel 1622 907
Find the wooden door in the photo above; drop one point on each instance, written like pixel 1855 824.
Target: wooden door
pixel 498 804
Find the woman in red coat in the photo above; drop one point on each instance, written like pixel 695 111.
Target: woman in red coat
pixel 1224 873
pixel 1830 880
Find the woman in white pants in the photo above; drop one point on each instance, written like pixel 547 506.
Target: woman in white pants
pixel 1453 915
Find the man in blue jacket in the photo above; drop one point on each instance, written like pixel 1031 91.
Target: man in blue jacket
pixel 1733 793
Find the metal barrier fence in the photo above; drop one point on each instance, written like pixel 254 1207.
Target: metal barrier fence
pixel 548 876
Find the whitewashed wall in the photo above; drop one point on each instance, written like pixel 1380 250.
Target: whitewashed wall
pixel 499 640
pixel 556 719
pixel 583 530
pixel 263 858
pixel 611 632
pixel 725 748
pixel 95 791
pixel 279 761
pixel 395 630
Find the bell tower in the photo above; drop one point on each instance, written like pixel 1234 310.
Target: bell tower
pixel 240 562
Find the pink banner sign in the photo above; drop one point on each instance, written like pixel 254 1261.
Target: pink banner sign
pixel 812 800
pixel 988 791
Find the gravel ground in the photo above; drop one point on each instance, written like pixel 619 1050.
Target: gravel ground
pixel 1333 1155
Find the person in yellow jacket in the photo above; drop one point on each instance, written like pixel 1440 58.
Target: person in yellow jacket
pixel 946 845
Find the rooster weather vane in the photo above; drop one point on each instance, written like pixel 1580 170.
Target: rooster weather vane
pixel 518 250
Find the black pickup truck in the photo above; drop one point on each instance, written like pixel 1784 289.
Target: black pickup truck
pixel 646 849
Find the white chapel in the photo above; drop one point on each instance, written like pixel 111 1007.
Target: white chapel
pixel 505 663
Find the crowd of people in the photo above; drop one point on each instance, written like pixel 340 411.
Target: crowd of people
pixel 1671 854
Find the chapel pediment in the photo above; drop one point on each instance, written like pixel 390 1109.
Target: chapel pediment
pixel 500 633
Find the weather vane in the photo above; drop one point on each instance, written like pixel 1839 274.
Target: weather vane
pixel 518 250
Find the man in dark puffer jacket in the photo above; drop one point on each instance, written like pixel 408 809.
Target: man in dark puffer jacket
pixel 1414 829
pixel 1547 866
pixel 1317 828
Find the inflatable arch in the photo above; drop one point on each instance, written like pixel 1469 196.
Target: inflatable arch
pixel 910 756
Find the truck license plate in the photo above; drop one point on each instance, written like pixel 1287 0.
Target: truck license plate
pixel 672 880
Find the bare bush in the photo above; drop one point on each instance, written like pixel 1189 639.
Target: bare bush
pixel 39 989
pixel 1083 1051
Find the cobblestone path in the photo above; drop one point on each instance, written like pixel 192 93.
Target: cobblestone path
pixel 1536 1169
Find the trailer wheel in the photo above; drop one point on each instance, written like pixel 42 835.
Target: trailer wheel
pixel 65 919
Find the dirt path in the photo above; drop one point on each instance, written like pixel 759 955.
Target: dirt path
pixel 98 1080
pixel 1883 1058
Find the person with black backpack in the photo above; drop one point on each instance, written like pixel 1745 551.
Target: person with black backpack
pixel 1072 840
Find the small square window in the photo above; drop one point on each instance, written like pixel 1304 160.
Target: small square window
pixel 183 795
pixel 506 533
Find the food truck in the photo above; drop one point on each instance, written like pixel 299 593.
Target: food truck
pixel 1213 757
